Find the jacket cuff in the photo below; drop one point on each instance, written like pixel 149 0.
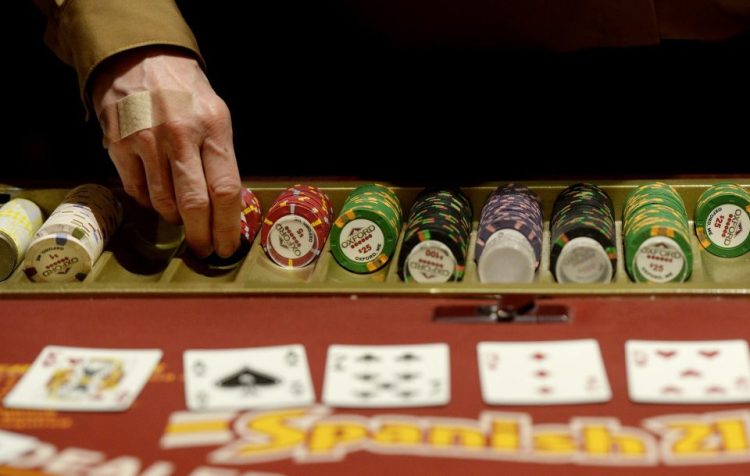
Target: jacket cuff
pixel 90 31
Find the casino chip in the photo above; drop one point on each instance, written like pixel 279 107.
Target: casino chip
pixel 437 235
pixel 364 236
pixel 19 220
pixel 657 235
pixel 68 244
pixel 509 238
pixel 721 220
pixel 583 236
pixel 250 222
pixel 296 227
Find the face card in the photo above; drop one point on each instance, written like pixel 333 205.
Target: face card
pixel 260 377
pixel 688 372
pixel 78 379
pixel 542 373
pixel 387 376
pixel 13 445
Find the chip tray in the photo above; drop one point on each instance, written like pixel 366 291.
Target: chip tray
pixel 118 272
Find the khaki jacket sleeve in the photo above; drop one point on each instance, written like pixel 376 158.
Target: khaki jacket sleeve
pixel 83 33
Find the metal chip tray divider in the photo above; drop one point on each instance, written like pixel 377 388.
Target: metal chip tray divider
pixel 258 275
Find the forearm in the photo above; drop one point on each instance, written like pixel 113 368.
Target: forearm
pixel 84 33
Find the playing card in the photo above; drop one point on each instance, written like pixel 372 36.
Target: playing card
pixel 688 372
pixel 542 373
pixel 78 379
pixel 387 376
pixel 13 445
pixel 260 377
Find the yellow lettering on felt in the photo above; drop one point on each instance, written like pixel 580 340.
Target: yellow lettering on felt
pixel 506 435
pixel 693 438
pixel 733 435
pixel 326 436
pixel 466 437
pixel 17 369
pixel 198 426
pixel 278 436
pixel 398 434
pixel 598 440
pixel 554 443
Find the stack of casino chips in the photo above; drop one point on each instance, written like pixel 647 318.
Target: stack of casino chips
pixel 250 223
pixel 19 220
pixel 722 222
pixel 251 216
pixel 437 235
pixel 509 238
pixel 657 235
pixel 365 234
pixel 296 226
pixel 583 236
pixel 73 238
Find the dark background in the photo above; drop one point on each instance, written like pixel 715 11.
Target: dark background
pixel 314 92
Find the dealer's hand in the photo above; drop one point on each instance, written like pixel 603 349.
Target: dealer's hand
pixel 184 168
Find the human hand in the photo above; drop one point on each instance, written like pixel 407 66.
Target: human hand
pixel 185 168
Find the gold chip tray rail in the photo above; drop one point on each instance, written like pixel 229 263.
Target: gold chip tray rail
pixel 119 271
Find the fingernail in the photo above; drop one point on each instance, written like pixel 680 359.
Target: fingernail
pixel 225 250
pixel 202 252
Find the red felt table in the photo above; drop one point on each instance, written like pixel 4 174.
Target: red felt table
pixel 716 439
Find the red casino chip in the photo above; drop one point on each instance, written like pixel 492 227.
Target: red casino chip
pixel 317 193
pixel 313 215
pixel 245 229
pixel 296 227
pixel 312 190
pixel 301 196
pixel 252 215
pixel 292 242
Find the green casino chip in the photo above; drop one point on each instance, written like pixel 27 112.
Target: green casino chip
pixel 656 235
pixel 722 223
pixel 364 236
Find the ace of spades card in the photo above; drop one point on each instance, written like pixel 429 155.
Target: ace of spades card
pixel 259 377
pixel 542 373
pixel 688 372
pixel 387 376
pixel 81 379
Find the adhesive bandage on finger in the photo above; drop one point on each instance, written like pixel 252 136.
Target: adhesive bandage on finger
pixel 143 110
